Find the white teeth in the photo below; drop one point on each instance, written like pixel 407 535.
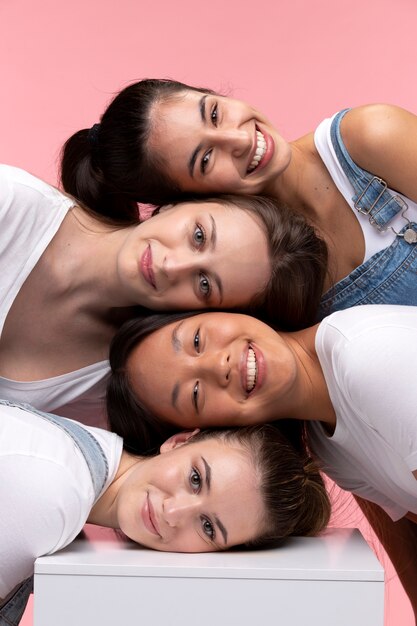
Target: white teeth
pixel 251 370
pixel 259 153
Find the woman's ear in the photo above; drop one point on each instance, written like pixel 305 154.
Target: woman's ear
pixel 177 440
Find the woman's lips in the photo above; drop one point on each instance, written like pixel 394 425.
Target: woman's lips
pixel 148 517
pixel 146 267
pixel 270 148
pixel 260 369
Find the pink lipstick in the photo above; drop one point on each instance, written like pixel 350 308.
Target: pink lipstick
pixel 270 148
pixel 148 517
pixel 146 267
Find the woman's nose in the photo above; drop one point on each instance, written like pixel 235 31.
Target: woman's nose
pixel 237 140
pixel 178 508
pixel 216 366
pixel 176 267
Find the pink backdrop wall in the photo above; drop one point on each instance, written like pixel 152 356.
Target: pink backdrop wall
pixel 297 60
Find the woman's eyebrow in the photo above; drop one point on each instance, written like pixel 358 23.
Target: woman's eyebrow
pixel 175 340
pixel 177 346
pixel 219 524
pixel 174 395
pixel 212 243
pixel 193 158
pixel 207 469
pixel 222 529
pixel 202 106
pixel 213 236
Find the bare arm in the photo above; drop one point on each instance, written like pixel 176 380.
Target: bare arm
pixel 400 542
pixel 382 139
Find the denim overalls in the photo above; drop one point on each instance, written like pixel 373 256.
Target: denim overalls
pixel 11 613
pixel 390 275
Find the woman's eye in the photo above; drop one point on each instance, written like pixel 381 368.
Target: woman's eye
pixel 195 479
pixel 197 341
pixel 199 236
pixel 205 161
pixel 204 285
pixel 208 528
pixel 214 115
pixel 195 395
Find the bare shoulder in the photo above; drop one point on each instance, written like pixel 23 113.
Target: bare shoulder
pixel 368 129
pixel 382 139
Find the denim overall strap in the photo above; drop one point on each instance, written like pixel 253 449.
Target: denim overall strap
pixel 11 612
pixel 372 197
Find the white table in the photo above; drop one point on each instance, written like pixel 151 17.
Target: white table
pixel 333 580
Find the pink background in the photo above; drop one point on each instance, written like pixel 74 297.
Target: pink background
pixel 297 60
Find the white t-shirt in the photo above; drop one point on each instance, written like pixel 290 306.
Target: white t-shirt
pixel 369 359
pixel 46 490
pixel 374 239
pixel 31 212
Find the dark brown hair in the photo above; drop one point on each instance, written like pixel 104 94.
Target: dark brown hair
pixel 115 170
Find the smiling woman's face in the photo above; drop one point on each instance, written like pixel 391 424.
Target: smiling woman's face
pixel 213 369
pixel 198 497
pixel 195 255
pixel 210 143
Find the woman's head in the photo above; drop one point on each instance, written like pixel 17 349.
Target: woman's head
pixel 216 489
pixel 161 140
pixel 237 252
pixel 202 370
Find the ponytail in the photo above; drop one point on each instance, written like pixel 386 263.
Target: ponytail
pixel 81 176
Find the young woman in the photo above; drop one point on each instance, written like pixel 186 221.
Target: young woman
pixel 206 491
pixel 70 278
pixel 354 178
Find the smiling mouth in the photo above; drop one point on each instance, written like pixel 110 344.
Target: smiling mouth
pixel 148 515
pixel 146 267
pixel 259 152
pixel 251 370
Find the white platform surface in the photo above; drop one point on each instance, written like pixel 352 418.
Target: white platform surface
pixel 333 580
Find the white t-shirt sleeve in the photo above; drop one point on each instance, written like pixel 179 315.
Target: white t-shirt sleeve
pixel 390 409
pixel 49 495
